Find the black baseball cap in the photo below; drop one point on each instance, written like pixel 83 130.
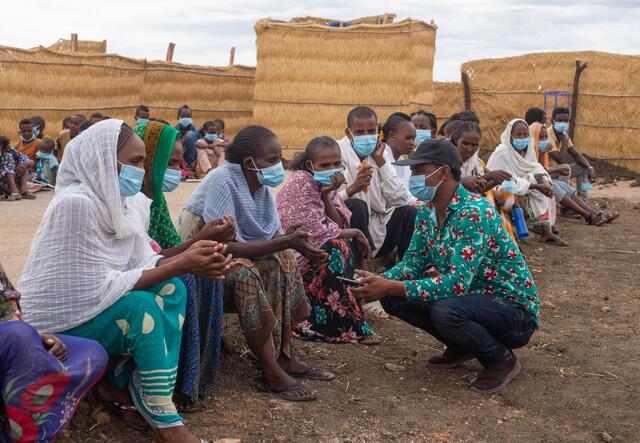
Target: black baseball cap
pixel 438 151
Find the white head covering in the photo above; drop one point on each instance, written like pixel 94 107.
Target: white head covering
pixel 472 166
pixel 91 247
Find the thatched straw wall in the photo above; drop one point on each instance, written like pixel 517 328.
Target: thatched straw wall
pixel 84 46
pixel 448 98
pixel 608 118
pixel 55 85
pixel 309 76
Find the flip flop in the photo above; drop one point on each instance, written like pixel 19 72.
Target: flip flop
pixel 596 220
pixel 556 242
pixel 370 340
pixel 375 309
pixel 610 216
pixel 282 392
pixel 13 197
pixel 118 408
pixel 28 196
pixel 307 374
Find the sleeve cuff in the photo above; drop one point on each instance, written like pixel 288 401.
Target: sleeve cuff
pixel 343 194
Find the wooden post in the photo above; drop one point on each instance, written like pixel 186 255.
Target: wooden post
pixel 467 91
pixel 574 97
pixel 74 42
pixel 170 49
pixel 232 56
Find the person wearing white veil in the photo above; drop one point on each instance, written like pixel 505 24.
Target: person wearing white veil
pixel 92 273
pixel 516 155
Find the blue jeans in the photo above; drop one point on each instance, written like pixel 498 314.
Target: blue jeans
pixel 486 326
pixel 189 142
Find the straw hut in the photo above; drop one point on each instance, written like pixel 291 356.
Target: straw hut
pixel 56 84
pixel 448 98
pixel 311 72
pixel 84 46
pixel 608 100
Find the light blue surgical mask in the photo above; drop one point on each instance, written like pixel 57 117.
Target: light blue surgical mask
pixel 43 155
pixel 326 177
pixel 210 137
pixel 422 135
pixel 543 145
pixel 364 145
pixel 141 121
pixel 271 176
pixel 171 180
pixel 130 180
pixel 25 140
pixel 561 127
pixel 185 122
pixel 520 143
pixel 419 188
pixel 509 186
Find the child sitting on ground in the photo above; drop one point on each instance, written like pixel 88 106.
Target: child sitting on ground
pixel 210 147
pixel 47 164
pixel 28 144
pixel 14 172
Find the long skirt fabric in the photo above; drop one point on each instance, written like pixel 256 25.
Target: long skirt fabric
pixel 39 392
pixel 145 327
pixel 336 315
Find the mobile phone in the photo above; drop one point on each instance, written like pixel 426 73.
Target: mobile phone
pixel 348 281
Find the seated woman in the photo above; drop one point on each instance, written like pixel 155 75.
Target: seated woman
pixel 566 196
pixel 14 172
pixel 92 273
pixel 399 136
pixel 309 199
pixel 264 283
pixel 41 375
pixel 202 330
pixel 516 155
pixel 210 148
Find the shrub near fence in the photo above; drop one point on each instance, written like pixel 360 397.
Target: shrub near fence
pixel 54 85
pixel 309 75
pixel 608 117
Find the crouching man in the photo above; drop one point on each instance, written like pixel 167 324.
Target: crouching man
pixel 481 301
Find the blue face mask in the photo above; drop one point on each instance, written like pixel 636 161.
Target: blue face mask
pixel 561 127
pixel 185 122
pixel 422 135
pixel 210 137
pixel 130 180
pixel 271 176
pixel 520 143
pixel 43 155
pixel 25 140
pixel 419 188
pixel 509 186
pixel 141 121
pixel 364 145
pixel 171 180
pixel 543 145
pixel 325 177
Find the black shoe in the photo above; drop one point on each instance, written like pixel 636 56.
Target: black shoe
pixel 496 377
pixel 450 358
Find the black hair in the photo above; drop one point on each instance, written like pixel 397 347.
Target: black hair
pixel 430 115
pixel 86 125
pixel 465 116
pixel 360 112
pixel 142 108
pixel 159 120
pixel 125 133
pixel 38 121
pixel 247 143
pixel 66 121
pixel 183 107
pixel 205 125
pixel 451 126
pixel 220 122
pixel 401 115
pixel 442 127
pixel 4 142
pixel 48 141
pixel 25 121
pixel 456 173
pixel 535 115
pixel 462 127
pixel 322 141
pixel 559 110
pixel 97 115
pixel 81 116
pixel 393 123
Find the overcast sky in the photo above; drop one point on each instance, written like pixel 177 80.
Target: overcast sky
pixel 205 30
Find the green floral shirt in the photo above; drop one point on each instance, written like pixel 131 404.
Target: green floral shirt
pixel 472 252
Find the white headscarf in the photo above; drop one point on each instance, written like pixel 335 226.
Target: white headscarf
pixel 91 247
pixel 472 166
pixel 524 169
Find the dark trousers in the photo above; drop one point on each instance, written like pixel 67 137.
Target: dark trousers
pixel 399 231
pixel 189 143
pixel 485 326
pixel 360 217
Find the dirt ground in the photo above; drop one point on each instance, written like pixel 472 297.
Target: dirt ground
pixel 581 372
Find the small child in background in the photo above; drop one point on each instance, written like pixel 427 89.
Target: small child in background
pixel 28 144
pixel 142 115
pixel 218 125
pixel 210 147
pixel 39 126
pixel 47 163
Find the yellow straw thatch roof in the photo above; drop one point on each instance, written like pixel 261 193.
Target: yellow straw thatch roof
pixel 85 46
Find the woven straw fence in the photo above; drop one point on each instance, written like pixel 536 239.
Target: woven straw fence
pixel 608 117
pixel 55 85
pixel 84 46
pixel 448 98
pixel 309 76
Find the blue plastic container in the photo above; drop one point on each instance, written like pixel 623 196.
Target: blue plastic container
pixel 518 220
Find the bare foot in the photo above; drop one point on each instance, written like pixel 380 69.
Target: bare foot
pixel 110 394
pixel 176 434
